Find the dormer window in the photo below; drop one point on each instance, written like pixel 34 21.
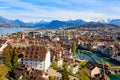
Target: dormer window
pixel 26 55
pixel 23 48
pixel 28 48
pixel 30 56
pixel 37 49
pixel 36 53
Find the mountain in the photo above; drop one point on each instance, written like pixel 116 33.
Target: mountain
pixel 52 24
pixel 56 23
pixel 5 21
pixel 41 24
pixel 115 22
pixel 79 22
pixel 59 24
pixel 16 22
pixel 100 25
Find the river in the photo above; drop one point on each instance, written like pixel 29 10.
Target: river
pixel 97 57
pixel 4 31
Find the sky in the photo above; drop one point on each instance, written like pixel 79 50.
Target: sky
pixel 47 10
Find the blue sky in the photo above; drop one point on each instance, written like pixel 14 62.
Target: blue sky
pixel 36 10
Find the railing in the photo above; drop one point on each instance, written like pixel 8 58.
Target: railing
pixel 114 68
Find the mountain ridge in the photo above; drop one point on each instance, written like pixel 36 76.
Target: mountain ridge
pixel 56 23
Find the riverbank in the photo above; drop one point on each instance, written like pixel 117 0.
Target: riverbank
pixel 98 57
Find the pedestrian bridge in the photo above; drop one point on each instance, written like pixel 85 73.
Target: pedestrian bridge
pixel 114 69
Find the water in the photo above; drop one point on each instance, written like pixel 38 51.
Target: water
pixel 12 30
pixel 84 56
pixel 97 57
pixel 114 77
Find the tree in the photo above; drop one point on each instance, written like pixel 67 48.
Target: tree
pixel 51 77
pixel 54 64
pixel 8 58
pixel 82 64
pixel 73 48
pixel 107 64
pixel 3 71
pixel 11 58
pixel 65 75
pixel 14 58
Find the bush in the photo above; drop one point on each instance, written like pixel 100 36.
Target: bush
pixel 85 71
pixel 82 64
pixel 54 65
pixel 3 71
pixel 51 77
pixel 107 63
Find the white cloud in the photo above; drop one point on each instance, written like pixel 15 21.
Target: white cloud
pixel 4 7
pixel 34 12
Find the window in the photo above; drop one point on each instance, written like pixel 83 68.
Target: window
pixel 40 66
pixel 32 48
pixel 37 49
pixel 30 56
pixel 36 53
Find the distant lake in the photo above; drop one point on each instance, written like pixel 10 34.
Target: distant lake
pixel 12 30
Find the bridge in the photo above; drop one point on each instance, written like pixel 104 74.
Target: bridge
pixel 114 69
pixel 100 65
pixel 111 69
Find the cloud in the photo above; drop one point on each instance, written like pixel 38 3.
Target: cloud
pixel 4 7
pixel 36 10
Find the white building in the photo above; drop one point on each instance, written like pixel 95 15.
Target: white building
pixel 2 47
pixel 74 68
pixel 37 57
pixel 60 62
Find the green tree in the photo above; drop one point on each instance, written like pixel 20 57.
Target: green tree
pixel 51 77
pixel 8 58
pixel 107 64
pixel 73 48
pixel 82 64
pixel 11 58
pixel 65 75
pixel 54 64
pixel 3 71
pixel 14 58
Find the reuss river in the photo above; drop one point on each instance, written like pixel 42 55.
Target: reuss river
pixel 93 57
pixel 4 31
